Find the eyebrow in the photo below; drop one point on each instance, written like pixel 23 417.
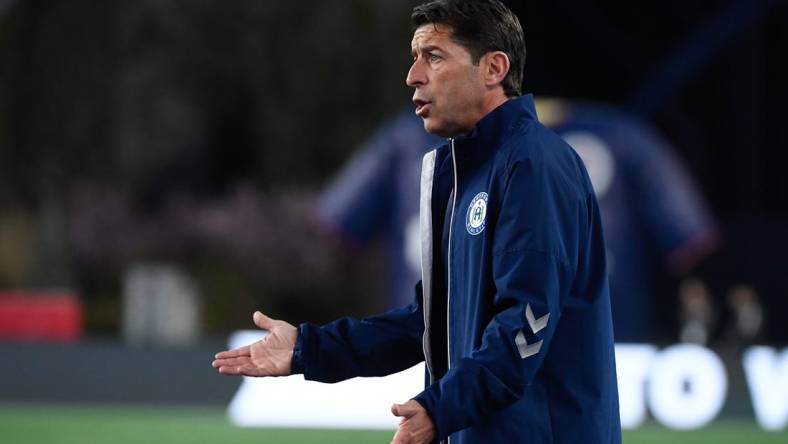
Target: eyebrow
pixel 426 48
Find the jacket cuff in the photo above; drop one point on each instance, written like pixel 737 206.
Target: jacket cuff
pixel 429 399
pixel 299 360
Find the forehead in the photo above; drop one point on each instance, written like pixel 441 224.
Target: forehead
pixel 432 35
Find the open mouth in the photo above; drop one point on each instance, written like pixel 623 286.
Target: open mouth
pixel 422 106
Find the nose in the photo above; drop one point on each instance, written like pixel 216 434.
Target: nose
pixel 416 75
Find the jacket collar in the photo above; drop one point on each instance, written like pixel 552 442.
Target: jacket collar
pixel 494 128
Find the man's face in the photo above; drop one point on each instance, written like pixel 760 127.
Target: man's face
pixel 450 90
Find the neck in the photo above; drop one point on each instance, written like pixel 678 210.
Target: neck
pixel 491 101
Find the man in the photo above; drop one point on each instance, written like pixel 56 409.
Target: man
pixel 512 315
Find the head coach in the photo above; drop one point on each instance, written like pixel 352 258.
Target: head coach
pixel 512 315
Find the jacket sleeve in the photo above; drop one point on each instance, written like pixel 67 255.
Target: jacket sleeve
pixel 374 346
pixel 538 219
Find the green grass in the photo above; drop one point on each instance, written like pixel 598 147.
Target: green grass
pixel 720 432
pixel 89 424
pixel 67 424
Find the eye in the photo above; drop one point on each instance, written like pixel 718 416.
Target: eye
pixel 434 57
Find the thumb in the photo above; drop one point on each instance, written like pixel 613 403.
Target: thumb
pixel 403 410
pixel 262 320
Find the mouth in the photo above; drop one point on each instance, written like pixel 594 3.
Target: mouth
pixel 422 106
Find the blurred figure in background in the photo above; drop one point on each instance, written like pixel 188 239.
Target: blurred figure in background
pixel 698 314
pixel 376 196
pixel 651 210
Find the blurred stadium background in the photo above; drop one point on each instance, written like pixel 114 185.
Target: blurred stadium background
pixel 161 162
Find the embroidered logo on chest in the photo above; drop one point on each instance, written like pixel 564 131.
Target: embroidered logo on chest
pixel 477 214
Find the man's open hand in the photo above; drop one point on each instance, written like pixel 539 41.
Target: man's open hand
pixel 270 356
pixel 416 425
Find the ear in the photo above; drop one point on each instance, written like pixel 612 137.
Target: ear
pixel 496 66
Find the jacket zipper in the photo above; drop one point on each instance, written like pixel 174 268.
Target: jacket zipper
pixel 448 255
pixel 448 264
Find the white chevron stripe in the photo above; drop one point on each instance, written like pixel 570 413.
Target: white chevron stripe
pixel 535 324
pixel 524 347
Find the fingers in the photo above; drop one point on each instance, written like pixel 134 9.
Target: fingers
pixel 246 370
pixel 397 438
pixel 410 433
pixel 415 427
pixel 231 362
pixel 232 366
pixel 262 321
pixel 238 366
pixel 401 437
pixel 233 370
pixel 234 353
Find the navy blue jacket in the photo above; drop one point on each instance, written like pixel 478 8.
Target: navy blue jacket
pixel 513 319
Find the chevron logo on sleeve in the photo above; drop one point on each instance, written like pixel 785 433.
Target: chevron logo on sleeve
pixel 524 347
pixel 535 324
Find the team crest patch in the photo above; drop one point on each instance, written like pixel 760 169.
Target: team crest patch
pixel 477 214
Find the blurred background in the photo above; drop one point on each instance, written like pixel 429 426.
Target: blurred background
pixel 167 167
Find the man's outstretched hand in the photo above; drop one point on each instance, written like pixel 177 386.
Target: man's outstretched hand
pixel 416 425
pixel 270 356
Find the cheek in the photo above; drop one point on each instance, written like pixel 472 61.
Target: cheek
pixel 453 89
pixel 464 87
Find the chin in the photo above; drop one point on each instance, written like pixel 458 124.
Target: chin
pixel 433 127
